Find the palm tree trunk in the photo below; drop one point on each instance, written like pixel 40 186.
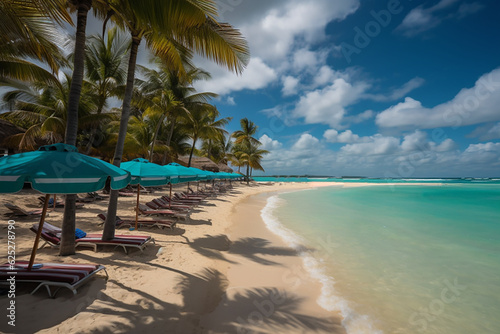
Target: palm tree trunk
pixel 154 138
pixel 109 225
pixel 248 172
pixel 67 246
pixel 192 150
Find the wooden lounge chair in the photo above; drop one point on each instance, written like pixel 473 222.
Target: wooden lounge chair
pixel 147 211
pixel 17 211
pixel 59 202
pixel 160 223
pixel 166 205
pixel 155 205
pixel 179 201
pixel 52 236
pixel 96 196
pixel 86 199
pixel 51 275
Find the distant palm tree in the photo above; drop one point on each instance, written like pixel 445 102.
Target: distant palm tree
pixel 245 135
pixel 201 123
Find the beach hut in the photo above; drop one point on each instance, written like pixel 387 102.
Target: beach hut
pixel 202 163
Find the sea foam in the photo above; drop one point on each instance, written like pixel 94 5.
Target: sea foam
pixel 353 322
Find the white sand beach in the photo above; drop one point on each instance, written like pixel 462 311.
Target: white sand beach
pixel 221 271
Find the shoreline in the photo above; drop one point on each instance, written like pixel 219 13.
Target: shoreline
pixel 269 289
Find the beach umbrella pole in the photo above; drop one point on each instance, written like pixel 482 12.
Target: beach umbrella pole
pixel 137 206
pixel 170 202
pixel 39 232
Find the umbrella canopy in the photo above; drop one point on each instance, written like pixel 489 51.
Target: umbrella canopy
pixel 146 173
pixel 185 174
pixel 58 169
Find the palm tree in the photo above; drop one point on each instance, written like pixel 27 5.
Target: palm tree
pixel 201 123
pixel 28 32
pixel 167 28
pixel 105 63
pixel 245 135
pixel 251 156
pixel 43 109
pixel 247 147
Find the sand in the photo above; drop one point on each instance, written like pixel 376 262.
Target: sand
pixel 221 271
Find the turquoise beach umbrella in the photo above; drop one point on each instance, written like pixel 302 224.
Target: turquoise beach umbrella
pixel 185 174
pixel 57 169
pixel 147 174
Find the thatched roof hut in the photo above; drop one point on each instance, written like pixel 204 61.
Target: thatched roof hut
pixel 203 163
pixel 225 168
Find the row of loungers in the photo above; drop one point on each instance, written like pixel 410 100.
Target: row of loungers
pixel 54 276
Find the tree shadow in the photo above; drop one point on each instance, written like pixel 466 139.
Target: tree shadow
pixel 251 248
pixel 268 310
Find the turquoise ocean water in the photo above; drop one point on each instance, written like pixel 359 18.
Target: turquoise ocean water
pixel 400 259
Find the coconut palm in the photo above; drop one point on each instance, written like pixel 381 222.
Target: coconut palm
pixel 27 31
pixel 105 63
pixel 201 123
pixel 251 156
pixel 169 27
pixel 245 135
pixel 42 109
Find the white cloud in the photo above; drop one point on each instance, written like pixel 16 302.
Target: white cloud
pixel 230 101
pixel 333 136
pixel 273 36
pixel 305 142
pixel 269 144
pixel 470 106
pixel 421 19
pixel 378 145
pixel 256 76
pixel 487 153
pixel 289 85
pixel 327 105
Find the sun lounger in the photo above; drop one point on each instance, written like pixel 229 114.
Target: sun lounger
pixel 154 204
pixel 183 196
pixel 59 203
pixel 52 236
pixel 86 199
pixel 145 210
pixel 166 205
pixel 181 201
pixel 17 211
pixel 51 275
pixel 96 196
pixel 122 222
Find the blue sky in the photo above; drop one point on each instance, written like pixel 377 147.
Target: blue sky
pixel 374 88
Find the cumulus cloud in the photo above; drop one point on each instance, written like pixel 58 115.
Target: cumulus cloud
pixel 256 76
pixel 327 105
pixel 269 144
pixel 333 136
pixel 474 105
pixel 289 85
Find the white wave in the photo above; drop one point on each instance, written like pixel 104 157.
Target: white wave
pixel 353 322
